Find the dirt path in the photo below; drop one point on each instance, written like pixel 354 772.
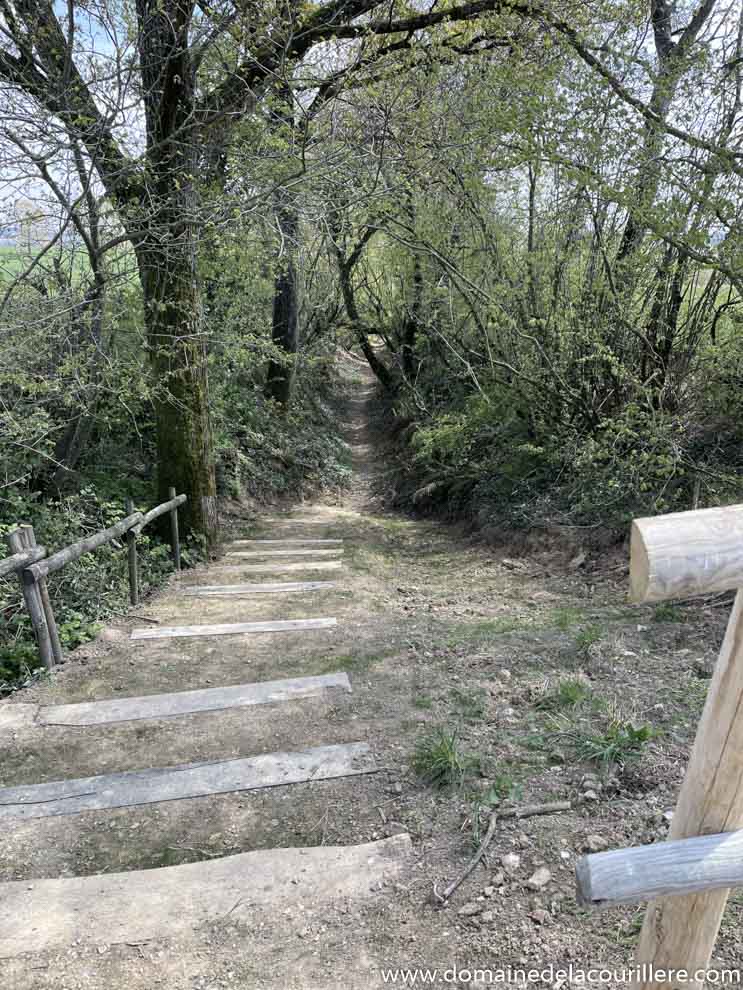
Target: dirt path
pixel 524 667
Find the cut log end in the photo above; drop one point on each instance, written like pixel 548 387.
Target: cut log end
pixel 639 575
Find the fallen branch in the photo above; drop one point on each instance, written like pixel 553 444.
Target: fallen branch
pixel 528 811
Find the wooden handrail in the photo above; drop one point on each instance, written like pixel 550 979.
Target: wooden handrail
pixel 19 560
pixel 159 510
pixel 79 549
pixel 664 869
pixel 32 565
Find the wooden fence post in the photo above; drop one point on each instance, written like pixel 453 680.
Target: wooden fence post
pixel 29 538
pixel 131 545
pixel 675 556
pixel 34 605
pixel 174 536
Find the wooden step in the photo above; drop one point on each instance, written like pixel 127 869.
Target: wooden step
pixel 284 541
pixel 191 702
pixel 187 780
pixel 173 901
pixel 296 552
pixel 286 587
pixel 279 567
pixel 231 628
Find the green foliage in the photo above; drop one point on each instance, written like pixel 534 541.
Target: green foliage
pixel 668 612
pixel 439 760
pixel 618 742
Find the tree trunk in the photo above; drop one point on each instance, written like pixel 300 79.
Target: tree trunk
pixel 178 360
pixel 166 254
pixel 285 323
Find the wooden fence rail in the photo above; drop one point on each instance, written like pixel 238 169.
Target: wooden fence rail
pixel 32 565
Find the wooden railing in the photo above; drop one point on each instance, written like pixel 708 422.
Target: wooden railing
pixel 32 564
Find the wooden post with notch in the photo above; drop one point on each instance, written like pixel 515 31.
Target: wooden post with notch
pixel 175 541
pixel 34 605
pixel 676 556
pixel 131 548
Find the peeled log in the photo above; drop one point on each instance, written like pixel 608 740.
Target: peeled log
pixel 686 553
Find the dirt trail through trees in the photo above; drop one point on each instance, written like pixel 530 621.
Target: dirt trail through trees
pixel 520 664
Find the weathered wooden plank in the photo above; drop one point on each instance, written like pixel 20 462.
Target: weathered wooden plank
pixel 285 541
pixel 188 780
pixel 623 876
pixel 172 901
pixel 280 567
pixel 231 628
pixel 221 590
pixel 686 553
pixel 191 702
pixel 297 552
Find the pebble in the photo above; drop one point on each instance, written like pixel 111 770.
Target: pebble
pixel 487 917
pixel 469 909
pixel 540 878
pixel 489 891
pixel 510 862
pixel 595 843
pixel 590 795
pixel 540 916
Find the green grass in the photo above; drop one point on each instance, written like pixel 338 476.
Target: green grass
pixel 566 617
pixel 619 742
pixel 568 693
pixel 483 630
pixel 666 612
pixel 587 636
pixel 423 701
pixel 439 760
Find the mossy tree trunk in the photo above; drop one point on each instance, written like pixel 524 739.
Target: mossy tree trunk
pixel 166 254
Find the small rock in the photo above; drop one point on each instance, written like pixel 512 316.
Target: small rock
pixel 489 891
pixel 668 816
pixel 469 909
pixel 510 863
pixel 487 917
pixel 540 878
pixel 541 916
pixel 504 674
pixel 498 878
pixel 595 843
pixel 397 788
pixel 590 795
pixel 110 635
pixel 577 561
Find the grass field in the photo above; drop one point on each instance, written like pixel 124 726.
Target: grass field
pixel 14 261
